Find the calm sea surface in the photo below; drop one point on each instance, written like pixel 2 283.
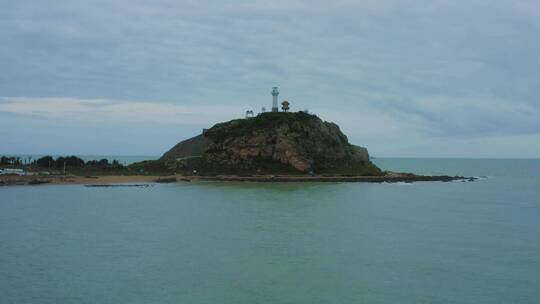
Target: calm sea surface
pixel 459 242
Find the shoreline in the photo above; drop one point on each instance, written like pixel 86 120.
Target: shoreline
pixel 106 180
pixel 33 180
pixel 406 178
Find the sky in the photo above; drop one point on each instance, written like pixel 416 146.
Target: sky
pixel 403 78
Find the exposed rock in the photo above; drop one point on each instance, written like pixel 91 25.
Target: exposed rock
pixel 165 180
pixel 273 143
pixel 194 146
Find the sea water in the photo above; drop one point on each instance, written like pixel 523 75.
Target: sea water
pixel 430 242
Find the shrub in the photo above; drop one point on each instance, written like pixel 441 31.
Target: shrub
pixel 45 162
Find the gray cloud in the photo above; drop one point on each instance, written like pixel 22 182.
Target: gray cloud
pixel 415 70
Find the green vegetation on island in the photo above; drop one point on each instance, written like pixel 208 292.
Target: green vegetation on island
pixel 74 165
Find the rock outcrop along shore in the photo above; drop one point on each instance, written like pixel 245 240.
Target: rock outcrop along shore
pixel 387 178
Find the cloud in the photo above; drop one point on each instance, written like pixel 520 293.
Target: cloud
pixel 92 110
pixel 408 71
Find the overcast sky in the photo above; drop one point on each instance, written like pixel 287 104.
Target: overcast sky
pixel 403 78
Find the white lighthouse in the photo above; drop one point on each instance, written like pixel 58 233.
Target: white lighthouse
pixel 275 94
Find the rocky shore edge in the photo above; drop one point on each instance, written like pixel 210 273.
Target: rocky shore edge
pixel 407 178
pixel 389 177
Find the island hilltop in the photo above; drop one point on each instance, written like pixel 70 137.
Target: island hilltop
pixel 270 143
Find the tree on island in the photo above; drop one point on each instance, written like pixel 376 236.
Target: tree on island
pixel 14 161
pixel 102 163
pixel 45 162
pixel 285 106
pixel 70 161
pixel 74 161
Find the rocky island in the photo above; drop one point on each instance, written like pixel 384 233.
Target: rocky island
pixel 270 147
pixel 275 146
pixel 271 143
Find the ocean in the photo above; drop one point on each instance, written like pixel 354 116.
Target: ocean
pixel 430 242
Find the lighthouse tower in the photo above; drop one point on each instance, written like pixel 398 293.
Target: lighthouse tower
pixel 275 94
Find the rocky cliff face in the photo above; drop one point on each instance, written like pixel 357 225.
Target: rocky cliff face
pixel 275 143
pixel 194 146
